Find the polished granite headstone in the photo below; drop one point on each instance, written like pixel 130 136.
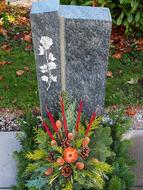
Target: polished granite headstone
pixel 78 38
pixel 45 33
pixel 87 34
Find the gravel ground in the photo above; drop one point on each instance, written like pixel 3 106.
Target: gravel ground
pixel 138 120
pixel 9 119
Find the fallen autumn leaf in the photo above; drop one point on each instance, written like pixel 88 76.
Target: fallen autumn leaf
pixel 6 47
pixel 26 68
pixel 5 63
pixel 117 55
pixel 1 77
pixel 109 74
pixel 19 72
pixel 27 38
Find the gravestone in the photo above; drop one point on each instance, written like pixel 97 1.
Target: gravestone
pixel 79 42
pixel 45 33
pixel 86 33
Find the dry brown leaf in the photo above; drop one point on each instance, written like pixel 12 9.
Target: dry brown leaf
pixel 131 111
pixel 27 38
pixel 2 63
pixel 5 63
pixel 28 48
pixel 1 77
pixel 139 48
pixel 23 20
pixel 6 47
pixel 2 5
pixel 109 74
pixel 3 32
pixel 20 72
pixel 26 68
pixel 94 4
pixel 117 55
pixel 140 42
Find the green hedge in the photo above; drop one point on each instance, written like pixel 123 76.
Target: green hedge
pixel 124 12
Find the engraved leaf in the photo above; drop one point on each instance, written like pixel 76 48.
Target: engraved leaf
pixel 45 78
pixel 54 78
pixel 41 50
pixel 43 68
pixel 51 57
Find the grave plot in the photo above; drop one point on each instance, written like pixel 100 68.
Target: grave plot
pixel 71 47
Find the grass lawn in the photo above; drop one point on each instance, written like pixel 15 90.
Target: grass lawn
pixel 20 92
pixel 124 87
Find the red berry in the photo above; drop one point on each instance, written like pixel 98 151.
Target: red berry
pixel 59 124
pixel 53 143
pixel 60 161
pixel 70 136
pixel 86 141
pixel 49 171
pixel 80 165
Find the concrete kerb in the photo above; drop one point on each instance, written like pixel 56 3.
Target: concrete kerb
pixel 8 144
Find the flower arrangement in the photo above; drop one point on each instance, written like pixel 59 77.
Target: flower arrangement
pixel 65 158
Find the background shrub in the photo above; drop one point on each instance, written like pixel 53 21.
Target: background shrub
pixel 124 12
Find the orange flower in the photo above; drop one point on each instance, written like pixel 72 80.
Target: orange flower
pixel 70 155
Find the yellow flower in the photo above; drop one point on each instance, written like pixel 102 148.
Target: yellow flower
pixel 10 18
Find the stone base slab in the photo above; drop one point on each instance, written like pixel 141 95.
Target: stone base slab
pixel 8 144
pixel 136 151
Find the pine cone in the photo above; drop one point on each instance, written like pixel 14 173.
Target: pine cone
pixel 65 143
pixel 66 171
pixel 51 157
pixel 84 152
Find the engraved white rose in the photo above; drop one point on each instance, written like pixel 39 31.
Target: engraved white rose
pixel 46 69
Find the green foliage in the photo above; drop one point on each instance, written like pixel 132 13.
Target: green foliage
pixel 121 161
pixel 70 111
pixel 27 142
pixel 36 155
pixel 37 183
pixel 124 12
pixel 115 183
pixel 102 143
pixel 77 2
